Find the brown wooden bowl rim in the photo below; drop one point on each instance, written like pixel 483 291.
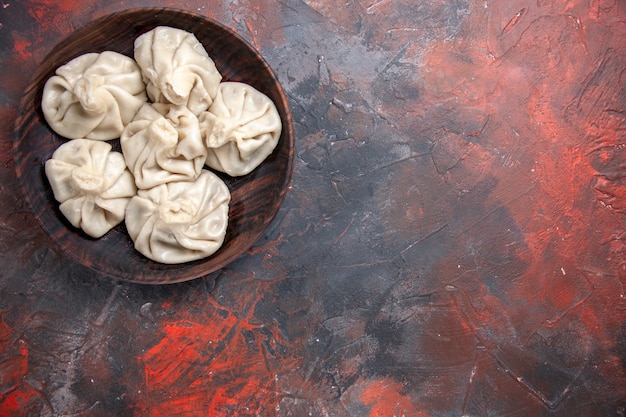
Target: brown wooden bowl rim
pixel 202 267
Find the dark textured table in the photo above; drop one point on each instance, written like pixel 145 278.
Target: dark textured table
pixel 452 244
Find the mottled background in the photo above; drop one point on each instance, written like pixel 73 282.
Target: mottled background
pixel 453 243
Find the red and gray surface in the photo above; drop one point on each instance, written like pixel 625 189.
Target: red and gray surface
pixel 453 243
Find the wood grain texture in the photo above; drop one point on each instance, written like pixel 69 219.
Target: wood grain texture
pixel 255 198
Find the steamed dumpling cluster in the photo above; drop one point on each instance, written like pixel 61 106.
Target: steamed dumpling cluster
pixel 175 117
pixel 180 212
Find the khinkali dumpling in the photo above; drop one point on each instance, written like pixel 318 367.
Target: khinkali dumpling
pixel 92 184
pixel 180 221
pixel 240 129
pixel 177 68
pixel 93 96
pixel 163 144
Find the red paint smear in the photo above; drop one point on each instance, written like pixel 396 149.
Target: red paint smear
pixel 187 343
pixel 262 19
pixel 19 402
pixel 16 397
pixel 384 398
pixel 184 346
pixel 52 15
pixel 213 362
pixel 192 403
pixel 21 46
pixel 548 94
pixel 562 172
pixel 44 8
pixel 65 5
pixel 13 359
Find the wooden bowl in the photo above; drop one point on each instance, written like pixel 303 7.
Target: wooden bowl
pixel 255 198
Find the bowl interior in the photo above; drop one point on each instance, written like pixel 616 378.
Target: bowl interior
pixel 255 198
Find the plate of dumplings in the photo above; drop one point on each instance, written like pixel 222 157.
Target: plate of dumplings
pixel 154 145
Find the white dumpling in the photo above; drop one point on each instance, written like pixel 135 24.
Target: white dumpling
pixel 93 96
pixel 180 221
pixel 240 129
pixel 177 68
pixel 162 144
pixel 92 184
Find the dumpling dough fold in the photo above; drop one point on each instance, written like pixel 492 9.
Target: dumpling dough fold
pixel 180 221
pixel 93 96
pixel 177 68
pixel 92 184
pixel 240 129
pixel 162 144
